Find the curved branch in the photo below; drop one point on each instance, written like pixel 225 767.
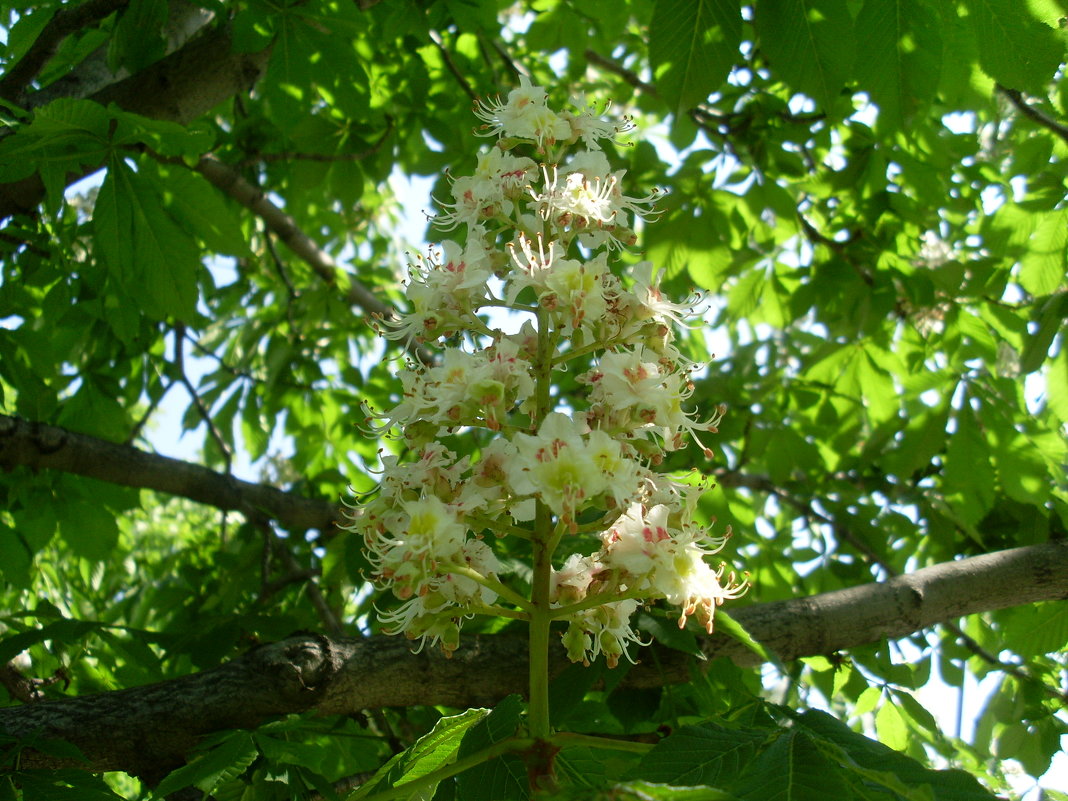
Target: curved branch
pixel 1035 115
pixel 147 730
pixel 40 446
pixel 228 180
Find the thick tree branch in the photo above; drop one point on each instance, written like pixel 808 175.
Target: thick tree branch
pixel 147 730
pixel 67 20
pixel 178 88
pixel 40 446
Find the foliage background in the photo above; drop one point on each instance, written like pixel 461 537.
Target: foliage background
pixel 872 193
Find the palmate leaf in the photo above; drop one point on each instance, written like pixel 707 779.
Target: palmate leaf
pixel 791 769
pixel 706 755
pixel 809 44
pixel 692 46
pixel 431 751
pixel 224 762
pixel 1015 49
pixel 153 259
pixel 865 763
pixel 902 60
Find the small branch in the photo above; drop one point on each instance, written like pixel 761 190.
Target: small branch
pixel 202 409
pixel 291 291
pixel 451 66
pixel 510 64
pixel 315 595
pixel 28 691
pixel 627 75
pixel 237 372
pixel 135 432
pixel 43 447
pixel 67 20
pixel 285 227
pixel 818 238
pixel 1017 99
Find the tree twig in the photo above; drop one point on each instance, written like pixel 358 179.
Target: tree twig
pixel 627 75
pixel 39 446
pixel 1017 99
pixel 450 65
pixel 289 232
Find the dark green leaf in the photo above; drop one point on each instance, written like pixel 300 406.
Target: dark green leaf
pixel 692 46
pixel 809 43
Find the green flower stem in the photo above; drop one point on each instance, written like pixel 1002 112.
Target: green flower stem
pixel 541 585
pixel 489 582
pixel 597 600
pixel 566 739
pixel 558 534
pixel 496 526
pixel 506 305
pixel 407 789
pixel 493 611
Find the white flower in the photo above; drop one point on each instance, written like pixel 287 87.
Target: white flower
pixel 602 630
pixel 555 465
pixel 570 582
pixel 524 116
pixel 590 127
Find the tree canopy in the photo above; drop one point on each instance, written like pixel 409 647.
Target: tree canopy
pixel 870 198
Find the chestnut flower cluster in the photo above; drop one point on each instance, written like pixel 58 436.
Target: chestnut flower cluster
pixel 540 241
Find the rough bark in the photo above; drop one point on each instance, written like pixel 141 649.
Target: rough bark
pixel 40 446
pixel 148 730
pixel 178 88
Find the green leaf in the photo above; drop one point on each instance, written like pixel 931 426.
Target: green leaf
pixel 902 58
pixel 64 785
pixel 1057 386
pixel 199 208
pixel 1015 49
pixel 1036 629
pixel 791 769
pixel 968 475
pixel 708 754
pixel 90 529
pixel 206 772
pixel 138 37
pixel 431 751
pixel 692 46
pixel 152 258
pixel 809 44
pixel 668 633
pixel 728 625
pixel 500 779
pixel 891 726
pixel 1051 318
pixel 15 557
pixel 65 631
pixel 66 136
pixel 641 791
pixel 1045 262
pixel 876 766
